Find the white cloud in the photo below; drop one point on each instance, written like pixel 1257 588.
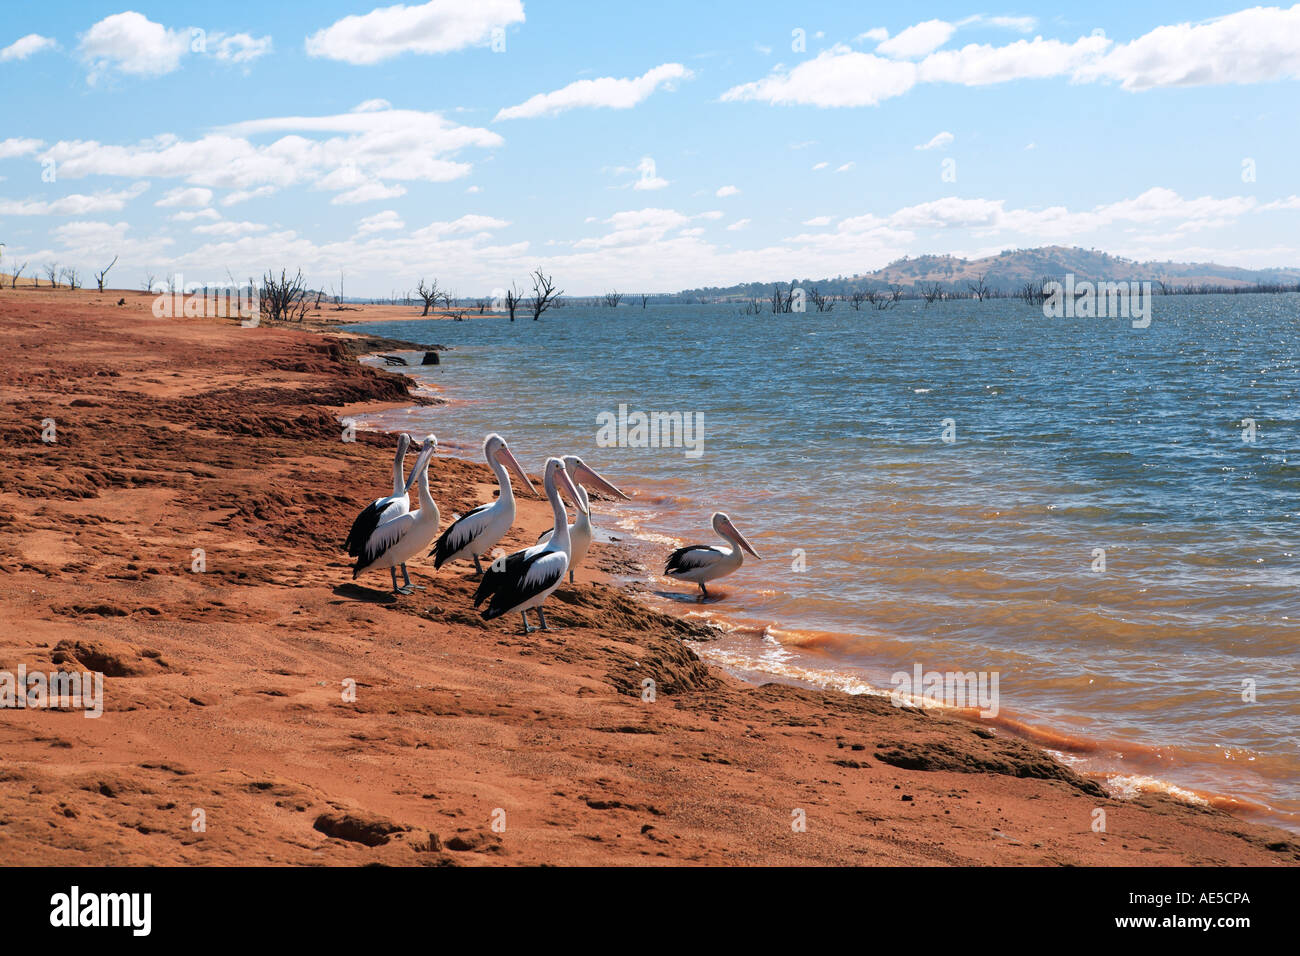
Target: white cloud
pixel 132 43
pixel 9 148
pixel 229 228
pixel 937 141
pixel 818 221
pixel 380 222
pixel 441 26
pixel 194 196
pixel 238 47
pixel 875 34
pixel 648 178
pixel 918 40
pixel 26 46
pixel 244 195
pixel 725 191
pixel 1258 45
pixel 738 225
pixel 817 166
pixel 607 91
pixel 189 215
pixel 75 204
pixel 845 168
pixel 371 150
pixel 368 192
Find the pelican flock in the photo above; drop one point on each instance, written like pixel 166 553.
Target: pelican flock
pixel 388 534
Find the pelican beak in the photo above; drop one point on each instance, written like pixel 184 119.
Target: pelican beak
pixel 742 540
pixel 585 476
pixel 566 485
pixel 420 461
pixel 505 456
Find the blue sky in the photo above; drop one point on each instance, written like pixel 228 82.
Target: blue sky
pixel 640 147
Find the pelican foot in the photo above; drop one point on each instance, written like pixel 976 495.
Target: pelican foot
pixel 404 590
pixel 417 587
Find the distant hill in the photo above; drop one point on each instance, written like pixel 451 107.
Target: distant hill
pixel 1009 270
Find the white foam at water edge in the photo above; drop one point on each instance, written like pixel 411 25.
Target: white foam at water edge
pixel 734 661
pixel 1129 786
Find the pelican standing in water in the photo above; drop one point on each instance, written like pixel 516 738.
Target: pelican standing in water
pixel 474 534
pixel 397 540
pixel 701 563
pixel 527 577
pixel 580 530
pixel 382 509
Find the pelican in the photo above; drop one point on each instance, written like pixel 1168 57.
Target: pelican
pixel 475 533
pixel 523 580
pixel 580 530
pixel 397 540
pixel 701 563
pixel 382 509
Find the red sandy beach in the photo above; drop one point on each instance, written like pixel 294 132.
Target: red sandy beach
pixel 467 743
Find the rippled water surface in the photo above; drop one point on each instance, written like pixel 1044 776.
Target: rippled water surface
pixel 823 434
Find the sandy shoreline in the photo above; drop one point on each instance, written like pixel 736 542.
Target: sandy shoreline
pixel 223 692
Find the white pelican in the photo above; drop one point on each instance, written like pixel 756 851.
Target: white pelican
pixel 523 580
pixel 474 534
pixel 381 509
pixel 397 540
pixel 701 563
pixel 580 530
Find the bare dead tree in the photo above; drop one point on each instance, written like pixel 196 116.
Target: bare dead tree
pixel 52 273
pixel 429 293
pixel 13 282
pixel 283 299
pixel 481 305
pixel 782 301
pixel 855 299
pixel 72 277
pixel 612 299
pixel 513 298
pixel 823 303
pixel 979 289
pixel 932 292
pixel 99 276
pixel 544 294
pixel 895 294
pixel 149 279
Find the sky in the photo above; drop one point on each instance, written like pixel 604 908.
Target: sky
pixel 638 147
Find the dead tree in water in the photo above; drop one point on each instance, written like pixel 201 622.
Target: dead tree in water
pixel 612 299
pixel 544 294
pixel 979 289
pixel 644 298
pixel 283 299
pixel 430 294
pixel 99 276
pixel 855 299
pixel 932 292
pixel 782 301
pixel 512 300
pixel 823 303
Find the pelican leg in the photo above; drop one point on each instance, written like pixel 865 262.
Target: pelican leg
pixel 528 628
pixel 478 568
pixel 704 592
pixel 407 578
pixel 541 616
pixel 570 575
pixel 396 589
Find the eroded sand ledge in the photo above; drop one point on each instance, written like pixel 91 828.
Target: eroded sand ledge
pixel 183 434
